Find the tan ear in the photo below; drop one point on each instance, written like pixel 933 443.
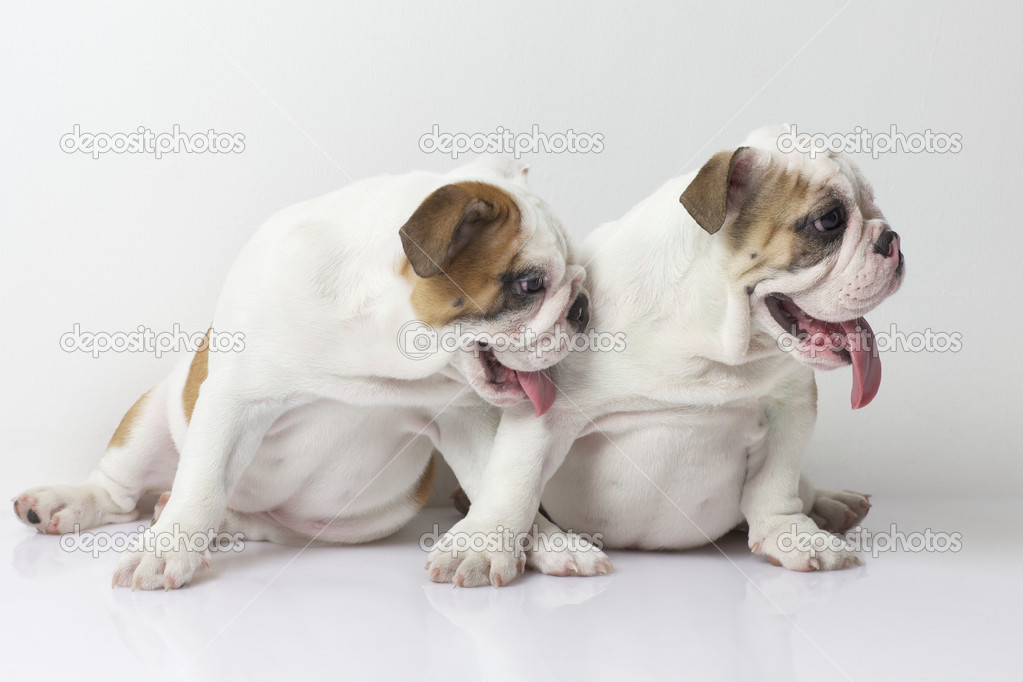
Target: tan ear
pixel 447 221
pixel 724 182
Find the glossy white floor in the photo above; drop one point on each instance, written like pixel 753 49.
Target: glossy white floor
pixel 368 613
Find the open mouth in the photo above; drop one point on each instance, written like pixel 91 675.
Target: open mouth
pixel 502 380
pixel 851 341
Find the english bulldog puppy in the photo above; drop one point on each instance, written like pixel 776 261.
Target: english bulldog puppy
pixel 322 427
pixel 729 302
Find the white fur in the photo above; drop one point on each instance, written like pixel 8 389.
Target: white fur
pixel 701 422
pixel 320 428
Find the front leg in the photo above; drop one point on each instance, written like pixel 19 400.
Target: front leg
pixel 778 528
pixel 223 435
pixel 486 546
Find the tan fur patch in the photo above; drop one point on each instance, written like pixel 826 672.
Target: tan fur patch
pixel 424 486
pixel 124 429
pixel 763 236
pixel 470 284
pixel 197 373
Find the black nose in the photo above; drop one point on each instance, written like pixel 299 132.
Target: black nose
pixel 884 242
pixel 579 313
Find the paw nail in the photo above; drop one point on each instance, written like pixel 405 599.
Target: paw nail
pixel 815 565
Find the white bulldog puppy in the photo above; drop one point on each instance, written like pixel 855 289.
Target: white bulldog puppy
pixel 728 301
pixel 322 427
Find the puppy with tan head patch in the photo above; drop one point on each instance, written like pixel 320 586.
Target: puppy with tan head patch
pixel 729 302
pixel 322 427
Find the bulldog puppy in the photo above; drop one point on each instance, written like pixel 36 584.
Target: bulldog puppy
pixel 322 427
pixel 729 302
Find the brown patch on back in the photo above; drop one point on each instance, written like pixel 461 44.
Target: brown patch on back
pixel 124 429
pixel 424 486
pixel 197 373
pixel 469 233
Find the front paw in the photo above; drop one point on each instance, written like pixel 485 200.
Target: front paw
pixel 158 560
pixel 471 555
pixel 566 554
pixel 796 543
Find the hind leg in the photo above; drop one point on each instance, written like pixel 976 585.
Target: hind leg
pixel 140 457
pixel 833 510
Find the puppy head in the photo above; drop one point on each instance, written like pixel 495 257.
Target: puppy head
pixel 804 240
pixel 490 262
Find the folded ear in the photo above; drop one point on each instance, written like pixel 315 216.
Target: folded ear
pixel 724 183
pixel 447 221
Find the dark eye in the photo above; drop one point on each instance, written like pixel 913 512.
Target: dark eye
pixel 832 220
pixel 531 285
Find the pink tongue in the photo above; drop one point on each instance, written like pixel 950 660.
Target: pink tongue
pixel 866 362
pixel 540 389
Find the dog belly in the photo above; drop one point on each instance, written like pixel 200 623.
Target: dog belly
pixel 664 481
pixel 339 473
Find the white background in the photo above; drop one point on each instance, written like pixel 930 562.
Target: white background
pixel 326 93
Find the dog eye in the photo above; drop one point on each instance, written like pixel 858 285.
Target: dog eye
pixel 831 220
pixel 531 285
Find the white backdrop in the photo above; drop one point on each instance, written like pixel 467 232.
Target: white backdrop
pixel 324 94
